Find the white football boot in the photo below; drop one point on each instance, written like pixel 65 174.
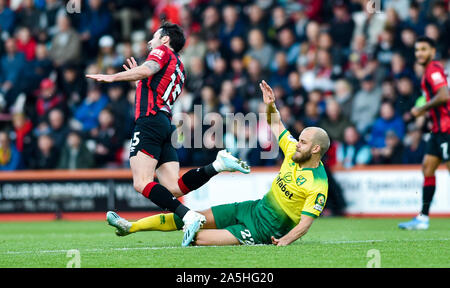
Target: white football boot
pixel 227 162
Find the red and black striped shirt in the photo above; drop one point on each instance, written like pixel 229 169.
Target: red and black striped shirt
pixel 159 91
pixel 433 79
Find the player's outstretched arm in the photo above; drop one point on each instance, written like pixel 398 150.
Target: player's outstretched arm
pixel 273 116
pixel 296 233
pixel 132 74
pixel 441 98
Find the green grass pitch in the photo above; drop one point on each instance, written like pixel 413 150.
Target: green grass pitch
pixel 331 242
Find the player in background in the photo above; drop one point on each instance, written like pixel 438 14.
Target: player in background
pixel 160 81
pixel 434 84
pixel 297 196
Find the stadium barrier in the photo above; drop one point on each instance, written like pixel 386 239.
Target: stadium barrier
pixel 368 191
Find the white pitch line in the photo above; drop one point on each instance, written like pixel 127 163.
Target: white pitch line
pixel 197 247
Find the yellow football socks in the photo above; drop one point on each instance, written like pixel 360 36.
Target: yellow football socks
pixel 159 222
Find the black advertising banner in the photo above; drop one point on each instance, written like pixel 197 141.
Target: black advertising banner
pixel 71 196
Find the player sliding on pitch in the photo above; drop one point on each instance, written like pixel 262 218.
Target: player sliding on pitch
pixel 159 82
pixel 297 196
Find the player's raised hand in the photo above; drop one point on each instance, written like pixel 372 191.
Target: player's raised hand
pixel 131 64
pixel 268 95
pixel 101 77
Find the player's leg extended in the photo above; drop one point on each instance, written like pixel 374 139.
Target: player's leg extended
pixel 166 222
pixel 168 173
pixel 429 166
pixel 143 168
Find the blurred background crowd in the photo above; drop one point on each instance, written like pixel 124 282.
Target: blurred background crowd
pixel 332 63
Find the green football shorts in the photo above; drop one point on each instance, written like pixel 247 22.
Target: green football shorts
pixel 251 222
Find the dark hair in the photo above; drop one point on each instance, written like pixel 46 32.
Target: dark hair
pixel 175 33
pixel 427 40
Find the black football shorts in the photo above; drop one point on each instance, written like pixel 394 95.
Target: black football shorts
pixel 439 145
pixel 152 136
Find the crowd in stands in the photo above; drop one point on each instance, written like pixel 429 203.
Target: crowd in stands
pixel 332 63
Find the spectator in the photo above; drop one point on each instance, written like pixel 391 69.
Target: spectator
pixel 259 49
pixel 25 43
pixel 408 40
pixel 342 25
pixel 12 65
pixel 75 154
pixel 87 113
pixel 58 128
pixel 73 85
pixel 286 40
pixel 197 75
pixel 365 105
pixel 66 44
pixel 29 16
pixel 10 158
pixel 213 52
pixel 119 107
pixel 280 70
pixel 229 100
pixel 53 8
pixel 296 94
pixel 368 24
pixel 195 49
pixel 388 121
pixel 252 92
pixel 211 22
pixel 334 122
pixel 343 93
pixel 231 26
pixel 353 150
pixel 22 131
pixel 218 75
pixel 237 48
pixel 7 18
pixel 256 17
pixel 48 99
pixel 107 57
pixel 391 153
pixel 414 148
pixel 38 69
pixel 415 20
pixel 384 50
pixel 95 22
pixel 47 155
pixel 107 139
pixel 406 98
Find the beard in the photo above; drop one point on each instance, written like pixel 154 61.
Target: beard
pixel 301 157
pixel 426 61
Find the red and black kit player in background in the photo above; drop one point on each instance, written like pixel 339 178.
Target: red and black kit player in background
pixel 435 86
pixel 159 82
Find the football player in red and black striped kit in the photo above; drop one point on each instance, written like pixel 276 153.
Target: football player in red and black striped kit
pixel 435 86
pixel 159 82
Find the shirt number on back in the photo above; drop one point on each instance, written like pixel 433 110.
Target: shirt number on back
pixel 177 91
